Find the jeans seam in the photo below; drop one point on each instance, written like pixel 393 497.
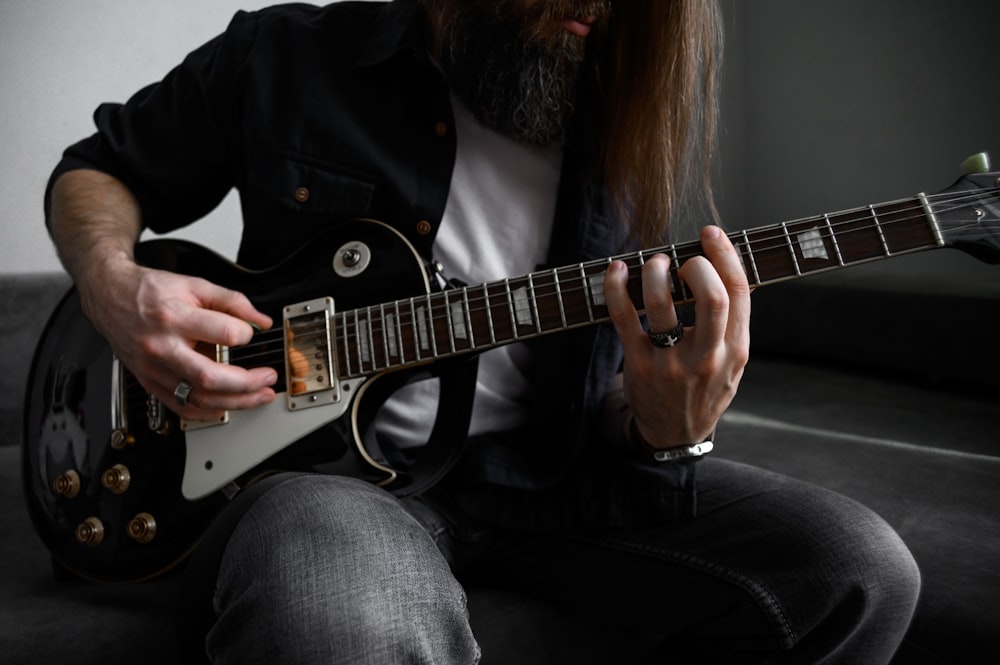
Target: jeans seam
pixel 759 592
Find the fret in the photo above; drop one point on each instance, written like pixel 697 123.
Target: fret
pixel 533 301
pixel 907 226
pixel 791 249
pixel 387 333
pixel 370 330
pixel 419 329
pixel 878 227
pixel 753 261
pixel 678 289
pixel 360 341
pixel 559 298
pixel 932 219
pixel 429 325
pixel 523 306
pixel 343 338
pixel 510 306
pixel 833 240
pixel 770 256
pixel 397 334
pixel 453 332
pixel 587 296
pixel 468 318
pixel 489 314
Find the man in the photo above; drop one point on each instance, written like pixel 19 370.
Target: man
pixel 496 137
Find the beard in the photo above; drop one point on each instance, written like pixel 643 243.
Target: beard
pixel 515 67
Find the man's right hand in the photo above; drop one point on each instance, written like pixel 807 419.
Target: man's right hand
pixel 156 322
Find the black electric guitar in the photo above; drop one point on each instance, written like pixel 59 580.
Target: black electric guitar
pixel 120 489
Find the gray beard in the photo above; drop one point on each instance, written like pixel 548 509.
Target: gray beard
pixel 522 88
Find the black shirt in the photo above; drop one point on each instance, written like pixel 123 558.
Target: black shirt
pixel 321 115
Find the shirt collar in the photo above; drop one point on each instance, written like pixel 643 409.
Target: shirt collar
pixel 399 28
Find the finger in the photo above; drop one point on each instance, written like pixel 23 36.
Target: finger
pixel 711 304
pixel 727 261
pixel 201 404
pixel 216 378
pixel 621 309
pixel 657 297
pixel 220 300
pixel 202 401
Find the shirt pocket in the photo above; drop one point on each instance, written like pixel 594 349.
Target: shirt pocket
pixel 310 186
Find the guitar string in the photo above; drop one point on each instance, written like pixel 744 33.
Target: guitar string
pixel 374 332
pixel 755 247
pixel 863 216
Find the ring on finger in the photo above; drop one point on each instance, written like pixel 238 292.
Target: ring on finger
pixel 182 392
pixel 668 339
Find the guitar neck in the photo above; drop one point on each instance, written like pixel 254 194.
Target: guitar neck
pixel 476 318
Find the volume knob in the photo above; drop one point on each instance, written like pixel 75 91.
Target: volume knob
pixel 68 484
pixel 90 532
pixel 116 479
pixel 142 528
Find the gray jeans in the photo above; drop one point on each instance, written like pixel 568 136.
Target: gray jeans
pixel 324 569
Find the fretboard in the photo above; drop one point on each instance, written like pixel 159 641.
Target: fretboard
pixel 476 318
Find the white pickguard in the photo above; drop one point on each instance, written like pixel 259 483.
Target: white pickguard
pixel 219 454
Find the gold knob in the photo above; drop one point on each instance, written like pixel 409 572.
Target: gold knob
pixel 142 528
pixel 68 484
pixel 116 479
pixel 91 532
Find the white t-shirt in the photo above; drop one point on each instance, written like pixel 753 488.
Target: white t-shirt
pixel 497 223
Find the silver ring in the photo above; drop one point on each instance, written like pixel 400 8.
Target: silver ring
pixel 182 392
pixel 665 340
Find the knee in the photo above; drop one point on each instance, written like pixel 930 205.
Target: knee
pixel 864 586
pixel 888 579
pixel 321 567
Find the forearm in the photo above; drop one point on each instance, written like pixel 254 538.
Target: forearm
pixel 95 222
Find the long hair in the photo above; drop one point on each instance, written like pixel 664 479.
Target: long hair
pixel 656 117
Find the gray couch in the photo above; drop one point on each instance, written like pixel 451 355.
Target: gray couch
pixel 845 388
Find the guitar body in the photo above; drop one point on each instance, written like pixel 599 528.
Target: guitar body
pixel 104 467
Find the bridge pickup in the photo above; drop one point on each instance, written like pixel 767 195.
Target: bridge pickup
pixel 310 354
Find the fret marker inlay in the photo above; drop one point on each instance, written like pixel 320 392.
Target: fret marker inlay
pixel 811 244
pixel 596 283
pixel 458 321
pixel 422 329
pixel 522 307
pixel 392 345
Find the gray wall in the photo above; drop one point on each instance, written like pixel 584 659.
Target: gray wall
pixel 827 105
pixel 832 105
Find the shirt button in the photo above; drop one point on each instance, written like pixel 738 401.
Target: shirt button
pixel 302 194
pixel 423 227
pixel 440 129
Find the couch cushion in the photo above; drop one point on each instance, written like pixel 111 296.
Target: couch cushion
pixel 925 457
pixel 26 302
